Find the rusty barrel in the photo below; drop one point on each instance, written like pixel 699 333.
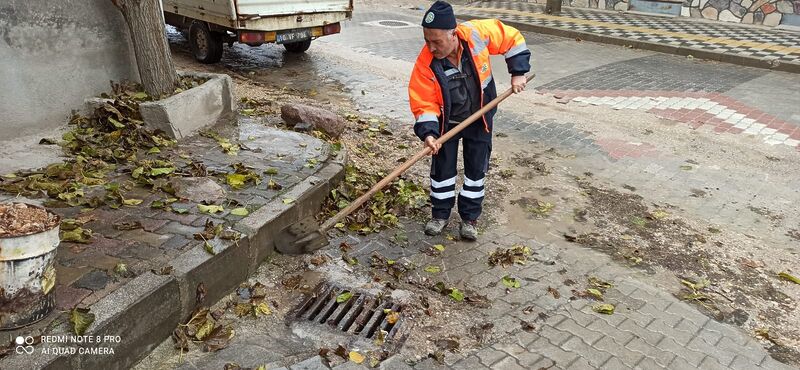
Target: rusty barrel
pixel 27 277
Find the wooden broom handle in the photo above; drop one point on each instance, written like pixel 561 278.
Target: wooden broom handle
pixel 411 161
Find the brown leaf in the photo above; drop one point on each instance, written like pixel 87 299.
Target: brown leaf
pixel 341 352
pixel 527 326
pixel 200 295
pixel 319 260
pixel 180 338
pixel 218 339
pixel 554 292
pixel 128 225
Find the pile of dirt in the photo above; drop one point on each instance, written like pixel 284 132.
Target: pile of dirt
pixel 18 219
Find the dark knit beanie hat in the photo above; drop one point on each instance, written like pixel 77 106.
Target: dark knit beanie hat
pixel 440 16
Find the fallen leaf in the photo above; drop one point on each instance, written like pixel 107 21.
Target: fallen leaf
pixel 787 277
pixel 433 269
pixel 439 247
pixel 457 295
pixel 510 282
pixel 344 297
pixel 271 171
pixel 554 292
pixel 77 235
pixel 209 248
pixel 132 202
pixel 80 318
pixel 262 309
pixel 380 337
pixel 595 293
pixel 604 308
pixel 527 326
pixel 318 260
pixel 599 284
pixel 288 200
pixel 392 317
pixel 218 339
pixel 128 225
pixel 240 211
pixel 204 330
pixel 356 357
pixel 210 209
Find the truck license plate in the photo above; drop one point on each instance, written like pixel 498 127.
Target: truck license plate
pixel 293 36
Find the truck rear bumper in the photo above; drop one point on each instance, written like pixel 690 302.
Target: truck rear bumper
pixel 294 21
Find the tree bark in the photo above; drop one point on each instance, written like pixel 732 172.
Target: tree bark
pixel 153 58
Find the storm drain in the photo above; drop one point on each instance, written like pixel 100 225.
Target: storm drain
pixel 361 315
pixel 391 23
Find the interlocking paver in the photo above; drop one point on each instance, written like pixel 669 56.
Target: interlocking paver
pixel 586 335
pixel 592 355
pixel 489 356
pixel 723 357
pixel 648 364
pixel 661 357
pixel 619 352
pixel 648 336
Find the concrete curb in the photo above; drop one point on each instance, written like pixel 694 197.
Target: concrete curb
pixel 147 309
pixel 185 113
pixel 652 46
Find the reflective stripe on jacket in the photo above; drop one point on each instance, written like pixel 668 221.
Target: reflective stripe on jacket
pixel 427 90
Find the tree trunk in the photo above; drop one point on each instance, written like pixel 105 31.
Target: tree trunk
pixel 153 57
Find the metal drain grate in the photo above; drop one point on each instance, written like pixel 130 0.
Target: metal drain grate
pixel 362 315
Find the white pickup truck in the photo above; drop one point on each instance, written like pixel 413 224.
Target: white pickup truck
pixel 293 23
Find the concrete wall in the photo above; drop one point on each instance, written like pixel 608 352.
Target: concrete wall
pixel 53 55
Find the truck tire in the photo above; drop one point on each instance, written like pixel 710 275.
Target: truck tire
pixel 298 47
pixel 206 45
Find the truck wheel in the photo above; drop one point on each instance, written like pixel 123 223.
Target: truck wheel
pixel 298 47
pixel 206 45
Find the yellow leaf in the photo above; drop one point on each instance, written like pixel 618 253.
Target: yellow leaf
pixel 131 202
pixel 392 317
pixel 356 357
pixel 240 211
pixel 439 247
pixel 210 209
pixel 288 200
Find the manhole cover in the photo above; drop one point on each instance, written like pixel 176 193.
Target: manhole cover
pixel 391 23
pixel 361 315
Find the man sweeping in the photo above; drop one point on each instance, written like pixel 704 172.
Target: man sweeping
pixel 451 80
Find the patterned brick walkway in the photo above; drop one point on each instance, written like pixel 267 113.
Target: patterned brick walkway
pixel 768 45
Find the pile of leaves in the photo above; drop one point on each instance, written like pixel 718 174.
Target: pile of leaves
pixel 113 136
pixel 517 254
pixel 339 355
pixel 401 198
pixel 250 300
pixel 203 326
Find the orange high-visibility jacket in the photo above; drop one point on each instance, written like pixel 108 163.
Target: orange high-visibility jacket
pixel 428 93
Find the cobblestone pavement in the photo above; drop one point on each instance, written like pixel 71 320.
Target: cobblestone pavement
pixel 717 178
pixel 765 44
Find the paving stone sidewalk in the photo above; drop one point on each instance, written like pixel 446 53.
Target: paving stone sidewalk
pixel 144 238
pixel 650 328
pixel 747 45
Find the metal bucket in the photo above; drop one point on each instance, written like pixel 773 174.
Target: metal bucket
pixel 27 277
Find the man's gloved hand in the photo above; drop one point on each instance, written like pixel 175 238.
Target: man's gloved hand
pixel 518 83
pixel 430 142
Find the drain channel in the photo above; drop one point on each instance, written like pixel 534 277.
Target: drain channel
pixel 362 315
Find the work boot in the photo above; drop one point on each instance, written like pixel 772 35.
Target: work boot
pixel 435 226
pixel 469 231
